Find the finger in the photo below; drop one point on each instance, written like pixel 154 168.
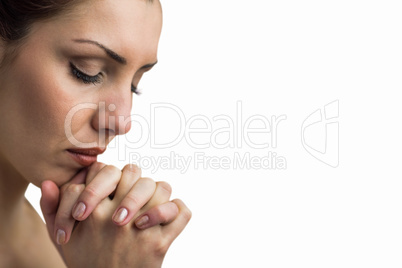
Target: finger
pixel 78 178
pixel 93 170
pixel 64 222
pixel 161 195
pixel 161 214
pixel 130 175
pixel 49 203
pixel 102 185
pixel 172 230
pixel 138 196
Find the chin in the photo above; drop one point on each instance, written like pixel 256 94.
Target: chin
pixel 59 176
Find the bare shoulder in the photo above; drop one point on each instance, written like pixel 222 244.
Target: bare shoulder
pixel 34 247
pixel 24 242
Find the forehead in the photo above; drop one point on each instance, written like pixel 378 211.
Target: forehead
pixel 129 27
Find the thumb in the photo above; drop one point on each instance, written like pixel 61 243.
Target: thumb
pixel 49 204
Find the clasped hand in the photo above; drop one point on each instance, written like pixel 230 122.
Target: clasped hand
pixel 105 217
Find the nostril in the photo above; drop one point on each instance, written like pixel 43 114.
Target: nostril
pixel 113 117
pixel 105 133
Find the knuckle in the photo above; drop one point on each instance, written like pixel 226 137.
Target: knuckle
pixel 111 170
pixel 161 247
pixel 94 169
pixel 97 166
pixel 99 214
pixel 175 208
pixel 184 210
pixel 165 186
pixel 132 200
pixel 187 214
pixel 148 181
pixel 160 215
pixel 132 168
pixel 62 216
pixel 91 193
pixel 74 189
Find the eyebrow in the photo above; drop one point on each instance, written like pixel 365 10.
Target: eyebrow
pixel 112 54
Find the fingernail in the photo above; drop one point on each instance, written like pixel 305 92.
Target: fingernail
pixel 142 221
pixel 121 215
pixel 79 210
pixel 61 237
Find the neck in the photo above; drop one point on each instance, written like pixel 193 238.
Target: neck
pixel 12 190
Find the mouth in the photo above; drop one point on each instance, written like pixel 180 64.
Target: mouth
pixel 85 157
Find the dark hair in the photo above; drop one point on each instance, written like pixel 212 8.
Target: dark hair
pixel 16 16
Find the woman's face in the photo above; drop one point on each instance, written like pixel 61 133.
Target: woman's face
pixel 69 85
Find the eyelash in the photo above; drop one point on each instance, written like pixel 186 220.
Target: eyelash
pixel 87 79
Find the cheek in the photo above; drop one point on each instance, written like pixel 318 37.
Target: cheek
pixel 37 100
pixel 32 134
pixel 45 97
pixel 42 102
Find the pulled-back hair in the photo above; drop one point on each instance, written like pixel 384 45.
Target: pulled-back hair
pixel 16 16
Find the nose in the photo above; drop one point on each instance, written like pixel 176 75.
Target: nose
pixel 113 115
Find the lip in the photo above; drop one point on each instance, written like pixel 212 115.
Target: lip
pixel 85 157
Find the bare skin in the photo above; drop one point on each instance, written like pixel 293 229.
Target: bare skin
pixel 38 88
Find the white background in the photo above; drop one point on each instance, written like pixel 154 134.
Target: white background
pixel 282 58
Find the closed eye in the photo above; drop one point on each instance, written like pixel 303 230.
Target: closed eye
pixel 85 78
pixel 95 79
